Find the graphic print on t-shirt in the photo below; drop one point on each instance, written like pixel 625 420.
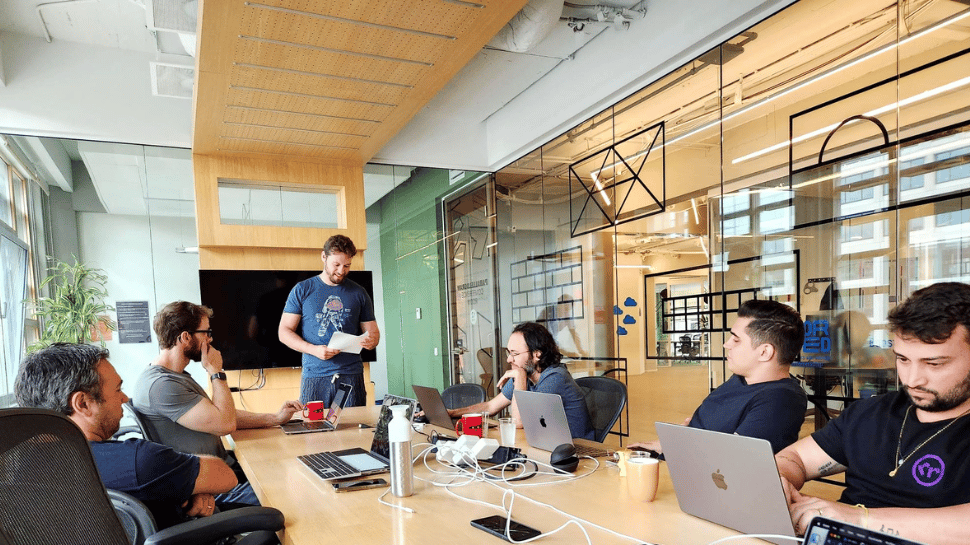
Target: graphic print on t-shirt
pixel 332 317
pixel 929 470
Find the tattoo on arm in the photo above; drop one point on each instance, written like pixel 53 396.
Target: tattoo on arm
pixel 886 530
pixel 825 467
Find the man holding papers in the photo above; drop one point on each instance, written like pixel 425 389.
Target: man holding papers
pixel 316 310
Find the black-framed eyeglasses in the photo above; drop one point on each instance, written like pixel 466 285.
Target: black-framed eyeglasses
pixel 208 332
pixel 511 354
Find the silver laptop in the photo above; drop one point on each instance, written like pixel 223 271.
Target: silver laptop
pixel 433 406
pixel 727 479
pixel 825 531
pixel 355 462
pixel 329 422
pixel 544 421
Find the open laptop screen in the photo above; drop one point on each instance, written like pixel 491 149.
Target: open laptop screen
pixel 339 401
pixel 381 446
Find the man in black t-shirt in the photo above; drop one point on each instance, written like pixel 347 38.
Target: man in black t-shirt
pixel 77 380
pixel 761 399
pixel 904 454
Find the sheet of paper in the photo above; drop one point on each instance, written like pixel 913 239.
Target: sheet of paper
pixel 345 343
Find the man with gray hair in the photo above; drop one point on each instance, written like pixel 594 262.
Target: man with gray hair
pixel 78 381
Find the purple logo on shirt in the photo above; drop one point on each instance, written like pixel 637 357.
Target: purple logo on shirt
pixel 928 470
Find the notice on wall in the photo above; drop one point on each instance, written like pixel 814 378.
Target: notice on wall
pixel 134 323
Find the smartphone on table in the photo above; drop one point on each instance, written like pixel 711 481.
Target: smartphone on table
pixel 495 525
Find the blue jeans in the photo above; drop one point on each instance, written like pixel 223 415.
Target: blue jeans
pixel 241 494
pixel 325 388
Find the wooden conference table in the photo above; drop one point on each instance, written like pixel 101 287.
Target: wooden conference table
pixel 316 514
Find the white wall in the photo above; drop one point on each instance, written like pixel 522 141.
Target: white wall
pixel 141 264
pixel 88 92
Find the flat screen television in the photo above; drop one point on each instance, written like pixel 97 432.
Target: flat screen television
pixel 247 306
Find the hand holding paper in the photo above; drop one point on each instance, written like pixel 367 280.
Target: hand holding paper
pixel 346 343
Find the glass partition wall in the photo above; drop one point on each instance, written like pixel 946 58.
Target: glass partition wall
pixel 821 158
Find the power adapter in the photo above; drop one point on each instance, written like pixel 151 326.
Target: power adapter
pixel 505 454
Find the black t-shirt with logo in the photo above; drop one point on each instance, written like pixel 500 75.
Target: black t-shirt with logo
pixel 864 438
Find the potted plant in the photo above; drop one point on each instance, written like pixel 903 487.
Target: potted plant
pixel 75 309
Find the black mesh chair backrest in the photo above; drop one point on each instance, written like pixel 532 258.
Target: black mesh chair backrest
pixel 135 517
pixel 605 399
pixel 50 490
pixel 148 430
pixel 463 395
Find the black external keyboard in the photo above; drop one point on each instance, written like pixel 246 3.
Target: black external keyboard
pixel 327 465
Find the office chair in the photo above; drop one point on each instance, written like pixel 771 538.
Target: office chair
pixel 463 395
pixel 147 428
pixel 51 493
pixel 687 348
pixel 605 398
pixel 485 360
pixel 148 431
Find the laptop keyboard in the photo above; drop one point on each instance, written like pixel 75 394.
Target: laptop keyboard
pixel 319 425
pixel 327 465
pixel 592 452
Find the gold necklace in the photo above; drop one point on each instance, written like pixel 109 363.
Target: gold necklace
pixel 899 444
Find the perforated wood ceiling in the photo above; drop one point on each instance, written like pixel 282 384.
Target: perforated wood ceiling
pixel 333 79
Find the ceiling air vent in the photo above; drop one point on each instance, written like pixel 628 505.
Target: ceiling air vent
pixel 172 80
pixel 173 15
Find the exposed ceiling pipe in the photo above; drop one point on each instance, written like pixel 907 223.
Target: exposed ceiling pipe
pixel 530 26
pixel 619 17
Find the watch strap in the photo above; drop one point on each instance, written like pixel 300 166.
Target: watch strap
pixel 217 376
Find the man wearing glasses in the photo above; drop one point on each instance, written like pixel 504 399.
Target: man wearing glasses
pixel 184 416
pixel 536 365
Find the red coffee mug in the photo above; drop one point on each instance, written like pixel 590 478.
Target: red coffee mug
pixel 470 424
pixel 313 410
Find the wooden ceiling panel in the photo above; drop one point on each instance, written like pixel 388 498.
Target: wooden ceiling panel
pixel 343 36
pixel 328 79
pixel 429 16
pixel 293 102
pixel 279 80
pixel 313 137
pixel 298 120
pixel 252 146
pixel 388 73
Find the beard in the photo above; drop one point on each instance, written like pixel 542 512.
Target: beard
pixel 107 425
pixel 194 352
pixel 940 403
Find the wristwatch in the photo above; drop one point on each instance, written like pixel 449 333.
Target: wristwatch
pixel 217 376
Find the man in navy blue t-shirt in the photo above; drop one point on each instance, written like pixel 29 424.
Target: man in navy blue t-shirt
pixel 761 399
pixel 536 365
pixel 78 381
pixel 904 453
pixel 316 309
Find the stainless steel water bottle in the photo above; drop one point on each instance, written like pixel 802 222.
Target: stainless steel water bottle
pixel 399 436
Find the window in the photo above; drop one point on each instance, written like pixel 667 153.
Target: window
pixel 958 172
pixel 909 181
pixel 737 226
pixel 255 203
pixel 6 196
pixel 23 241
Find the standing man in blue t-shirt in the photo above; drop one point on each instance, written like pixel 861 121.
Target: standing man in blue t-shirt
pixel 320 306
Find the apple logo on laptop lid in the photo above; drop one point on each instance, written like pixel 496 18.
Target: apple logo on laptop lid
pixel 718 479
